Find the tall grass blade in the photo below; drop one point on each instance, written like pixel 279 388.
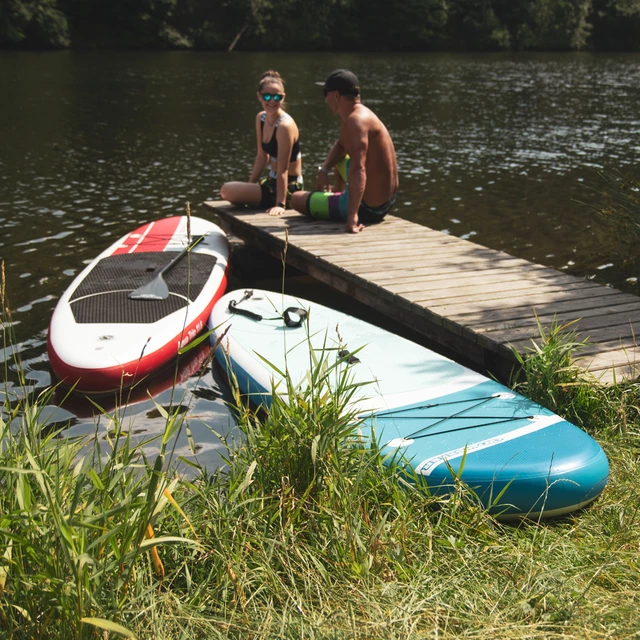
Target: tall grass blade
pixel 107 625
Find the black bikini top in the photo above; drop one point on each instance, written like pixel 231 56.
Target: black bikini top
pixel 271 147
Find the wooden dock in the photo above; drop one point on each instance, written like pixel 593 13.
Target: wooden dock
pixel 475 301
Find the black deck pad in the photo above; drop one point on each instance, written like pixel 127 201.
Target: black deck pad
pixel 103 296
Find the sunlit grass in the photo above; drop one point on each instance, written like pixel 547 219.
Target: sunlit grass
pixel 614 198
pixel 617 199
pixel 306 533
pixel 76 526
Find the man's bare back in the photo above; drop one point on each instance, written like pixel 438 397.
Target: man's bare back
pixel 381 168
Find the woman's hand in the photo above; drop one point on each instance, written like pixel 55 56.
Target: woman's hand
pixel 276 211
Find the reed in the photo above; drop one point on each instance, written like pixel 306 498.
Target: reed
pixel 616 198
pixel 612 202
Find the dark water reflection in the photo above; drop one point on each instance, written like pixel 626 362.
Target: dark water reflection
pixel 494 148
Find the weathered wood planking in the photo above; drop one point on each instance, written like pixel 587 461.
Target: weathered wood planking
pixel 476 301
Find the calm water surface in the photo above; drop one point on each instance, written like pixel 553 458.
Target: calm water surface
pixel 498 149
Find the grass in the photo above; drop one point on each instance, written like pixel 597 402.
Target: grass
pixel 614 196
pixel 305 533
pixel 617 196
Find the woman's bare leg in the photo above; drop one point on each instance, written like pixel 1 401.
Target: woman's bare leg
pixel 242 193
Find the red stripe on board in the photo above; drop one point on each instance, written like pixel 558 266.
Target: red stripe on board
pixel 149 237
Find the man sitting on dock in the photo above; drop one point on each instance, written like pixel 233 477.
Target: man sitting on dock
pixel 364 156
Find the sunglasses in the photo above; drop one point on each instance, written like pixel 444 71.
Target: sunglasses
pixel 276 97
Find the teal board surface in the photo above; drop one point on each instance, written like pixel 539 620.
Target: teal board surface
pixel 435 417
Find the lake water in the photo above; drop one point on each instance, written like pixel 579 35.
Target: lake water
pixel 504 150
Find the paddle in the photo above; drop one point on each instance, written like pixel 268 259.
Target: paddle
pixel 157 289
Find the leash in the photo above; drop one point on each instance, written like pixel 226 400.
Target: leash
pixel 292 316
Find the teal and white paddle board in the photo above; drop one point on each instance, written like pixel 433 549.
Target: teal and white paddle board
pixel 436 416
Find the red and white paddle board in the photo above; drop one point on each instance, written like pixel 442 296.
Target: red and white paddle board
pixel 100 339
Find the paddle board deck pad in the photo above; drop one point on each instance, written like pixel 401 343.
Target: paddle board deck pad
pixel 430 414
pixel 100 339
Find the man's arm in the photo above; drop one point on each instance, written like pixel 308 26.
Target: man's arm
pixel 358 145
pixel 334 156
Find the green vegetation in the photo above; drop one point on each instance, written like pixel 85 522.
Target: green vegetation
pixel 306 534
pixel 371 25
pixel 615 197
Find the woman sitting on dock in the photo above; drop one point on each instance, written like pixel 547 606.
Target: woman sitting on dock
pixel 278 145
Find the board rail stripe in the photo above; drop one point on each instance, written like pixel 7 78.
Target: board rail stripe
pixel 426 467
pixel 163 232
pixel 142 237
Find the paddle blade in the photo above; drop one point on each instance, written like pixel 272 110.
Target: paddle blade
pixel 155 290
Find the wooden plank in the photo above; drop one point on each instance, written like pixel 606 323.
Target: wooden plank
pixel 543 302
pixel 397 254
pixel 460 310
pixel 380 233
pixel 456 272
pixel 602 362
pixel 595 336
pixel 507 282
pixel 313 240
pixel 594 328
pixel 615 374
pixel 608 314
pixel 484 296
pixel 619 348
pixel 461 278
pixel 564 311
pixel 456 263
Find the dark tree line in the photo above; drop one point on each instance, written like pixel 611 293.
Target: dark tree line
pixel 361 25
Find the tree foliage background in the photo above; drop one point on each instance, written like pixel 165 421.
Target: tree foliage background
pixel 360 25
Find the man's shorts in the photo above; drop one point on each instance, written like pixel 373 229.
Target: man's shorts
pixel 333 206
pixel 269 190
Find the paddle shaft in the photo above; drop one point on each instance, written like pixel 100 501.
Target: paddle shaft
pixel 179 257
pixel 157 289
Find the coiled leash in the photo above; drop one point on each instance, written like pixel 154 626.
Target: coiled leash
pixel 292 316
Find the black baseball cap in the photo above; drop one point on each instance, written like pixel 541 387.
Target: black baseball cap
pixel 343 81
